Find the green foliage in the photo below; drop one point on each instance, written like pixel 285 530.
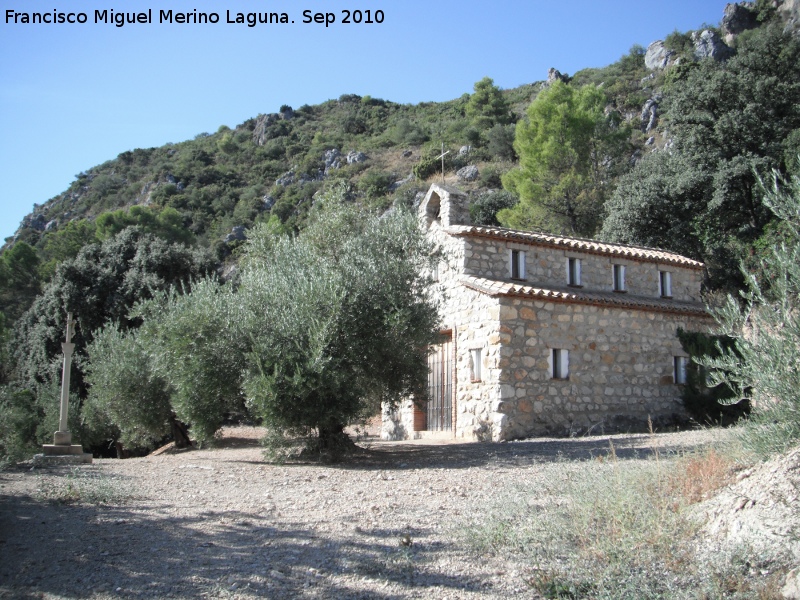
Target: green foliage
pixel 500 142
pixel 483 211
pixel 708 405
pixel 124 391
pixel 654 205
pixel 563 147
pixel 165 223
pixel 227 144
pixel 762 364
pixel 681 43
pixel 63 244
pixel 101 284
pixel 405 132
pixel 19 279
pixel 375 184
pixel 19 420
pixel 339 316
pixel 196 346
pixel 730 121
pixel 622 81
pixel 487 106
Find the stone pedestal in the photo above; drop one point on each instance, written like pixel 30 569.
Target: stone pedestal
pixel 62 454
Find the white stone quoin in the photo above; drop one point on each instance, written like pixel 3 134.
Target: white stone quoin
pixel 573 335
pixel 62 450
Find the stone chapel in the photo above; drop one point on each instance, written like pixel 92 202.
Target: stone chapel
pixel 549 335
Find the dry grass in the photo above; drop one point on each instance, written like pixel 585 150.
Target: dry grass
pixel 697 477
pixel 618 528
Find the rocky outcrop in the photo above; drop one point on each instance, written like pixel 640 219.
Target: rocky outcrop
pixel 658 56
pixel 287 178
pixel 650 114
pixel 738 18
pixel 468 173
pixel 236 235
pixel 554 75
pixel 263 122
pixel 267 202
pixel 332 159
pixel 707 44
pixel 37 222
pixel 355 157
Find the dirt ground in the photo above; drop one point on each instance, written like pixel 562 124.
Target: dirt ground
pixel 223 523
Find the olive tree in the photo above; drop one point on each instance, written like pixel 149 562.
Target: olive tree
pixel 762 363
pixel 338 317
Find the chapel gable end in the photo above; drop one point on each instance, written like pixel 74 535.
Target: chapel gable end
pixel 444 206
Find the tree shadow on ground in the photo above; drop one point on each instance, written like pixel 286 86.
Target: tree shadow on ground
pixel 76 551
pixel 410 455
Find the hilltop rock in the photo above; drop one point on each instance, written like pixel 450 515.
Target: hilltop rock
pixel 738 18
pixel 554 75
pixel 707 44
pixel 658 56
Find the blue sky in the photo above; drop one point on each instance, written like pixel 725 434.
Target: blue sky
pixel 74 96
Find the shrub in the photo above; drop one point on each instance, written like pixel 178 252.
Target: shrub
pixel 761 365
pixel 483 211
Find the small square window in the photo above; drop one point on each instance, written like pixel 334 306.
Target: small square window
pixel 559 363
pixel 665 284
pixel 475 364
pixel 619 278
pixel 574 271
pixel 680 364
pixel 517 264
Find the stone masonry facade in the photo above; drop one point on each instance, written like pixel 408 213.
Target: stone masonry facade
pixel 550 335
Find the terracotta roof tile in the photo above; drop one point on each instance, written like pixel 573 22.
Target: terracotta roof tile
pixel 502 288
pixel 584 245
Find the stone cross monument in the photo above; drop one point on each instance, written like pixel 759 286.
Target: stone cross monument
pixel 62 450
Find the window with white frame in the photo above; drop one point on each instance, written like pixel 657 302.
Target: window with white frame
pixel 619 278
pixel 680 363
pixel 574 271
pixel 559 363
pixel 475 364
pixel 517 264
pixel 665 284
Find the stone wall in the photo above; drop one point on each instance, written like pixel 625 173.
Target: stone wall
pixel 620 367
pixel 548 267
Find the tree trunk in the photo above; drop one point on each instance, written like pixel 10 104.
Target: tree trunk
pixel 180 433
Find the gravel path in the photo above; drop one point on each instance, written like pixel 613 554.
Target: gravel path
pixel 222 523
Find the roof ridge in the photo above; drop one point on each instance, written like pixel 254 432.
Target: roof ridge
pixel 585 244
